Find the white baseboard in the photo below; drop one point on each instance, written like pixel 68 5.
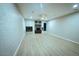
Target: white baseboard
pixel 19 45
pixel 64 38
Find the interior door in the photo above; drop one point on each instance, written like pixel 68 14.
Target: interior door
pixel 44 26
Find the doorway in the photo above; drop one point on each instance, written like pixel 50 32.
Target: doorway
pixel 44 25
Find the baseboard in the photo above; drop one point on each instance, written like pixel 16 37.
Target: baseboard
pixel 19 45
pixel 64 38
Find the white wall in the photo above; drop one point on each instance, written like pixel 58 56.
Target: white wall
pixel 67 27
pixel 11 29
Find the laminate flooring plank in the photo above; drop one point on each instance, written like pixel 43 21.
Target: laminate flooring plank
pixel 46 45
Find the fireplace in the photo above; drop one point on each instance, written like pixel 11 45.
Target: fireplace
pixel 38 30
pixel 38 27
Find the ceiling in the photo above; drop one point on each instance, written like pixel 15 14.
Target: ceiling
pixel 45 11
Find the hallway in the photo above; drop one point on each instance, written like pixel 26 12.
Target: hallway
pixel 19 25
pixel 46 45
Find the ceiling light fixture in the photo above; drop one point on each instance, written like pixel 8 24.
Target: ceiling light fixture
pixel 42 18
pixel 75 6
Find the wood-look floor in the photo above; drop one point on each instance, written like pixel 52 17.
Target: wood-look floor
pixel 47 45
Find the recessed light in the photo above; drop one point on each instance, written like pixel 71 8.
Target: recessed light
pixel 42 18
pixel 75 6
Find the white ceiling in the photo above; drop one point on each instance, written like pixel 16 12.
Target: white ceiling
pixel 50 10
